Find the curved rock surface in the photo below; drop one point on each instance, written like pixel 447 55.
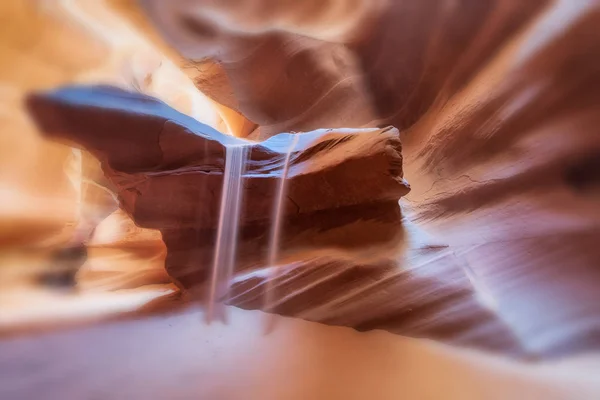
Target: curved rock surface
pixel 168 170
pixel 495 102
pixel 346 256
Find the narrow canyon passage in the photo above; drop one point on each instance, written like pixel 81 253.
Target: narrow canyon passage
pixel 427 169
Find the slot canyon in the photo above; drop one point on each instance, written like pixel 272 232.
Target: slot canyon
pixel 354 181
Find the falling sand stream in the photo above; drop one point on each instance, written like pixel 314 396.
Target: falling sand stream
pixel 227 233
pixel 273 254
pixel 225 250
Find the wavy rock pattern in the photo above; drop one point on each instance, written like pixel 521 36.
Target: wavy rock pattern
pixel 346 257
pixel 496 102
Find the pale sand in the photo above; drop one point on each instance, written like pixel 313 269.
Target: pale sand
pixel 178 357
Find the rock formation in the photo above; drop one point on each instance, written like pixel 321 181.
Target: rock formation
pixel 168 170
pixel 342 244
pixel 496 103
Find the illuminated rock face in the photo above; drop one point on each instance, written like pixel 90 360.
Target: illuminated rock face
pixel 497 104
pixel 346 256
pixel 168 170
pixel 497 107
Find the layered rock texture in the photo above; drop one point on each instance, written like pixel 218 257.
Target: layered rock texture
pixel 496 102
pixel 168 170
pixel 496 105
